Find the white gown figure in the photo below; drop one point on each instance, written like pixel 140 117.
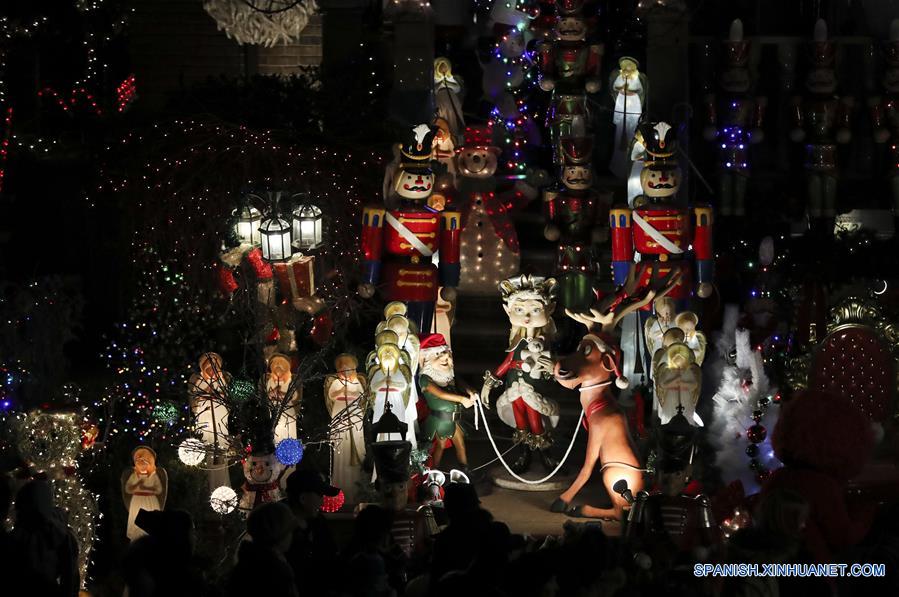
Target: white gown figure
pixel 628 88
pixel 349 444
pixel 638 155
pixel 448 97
pixel 143 488
pixel 210 415
pixel 278 383
pixel 390 380
pixel 657 324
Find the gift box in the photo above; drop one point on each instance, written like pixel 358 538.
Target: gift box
pixel 296 277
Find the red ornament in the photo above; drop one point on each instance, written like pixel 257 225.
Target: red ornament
pixel 226 280
pixel 333 504
pixel 757 433
pixel 261 267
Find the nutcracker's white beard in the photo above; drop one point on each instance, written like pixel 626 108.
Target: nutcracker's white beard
pixel 441 376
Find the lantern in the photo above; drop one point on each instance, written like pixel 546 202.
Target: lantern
pixel 247 227
pixel 275 239
pixel 307 226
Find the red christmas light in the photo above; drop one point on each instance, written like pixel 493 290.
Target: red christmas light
pixel 333 504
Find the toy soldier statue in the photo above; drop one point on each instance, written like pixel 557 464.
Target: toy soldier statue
pixel 400 239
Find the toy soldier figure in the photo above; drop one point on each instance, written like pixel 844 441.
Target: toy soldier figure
pixel 569 68
pixel 734 122
pixel 575 218
pixel 413 525
pixel 660 228
pixel 668 519
pixel 399 241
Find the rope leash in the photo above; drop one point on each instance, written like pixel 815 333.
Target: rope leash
pixel 499 456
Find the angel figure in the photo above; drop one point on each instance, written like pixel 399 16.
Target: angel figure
pixel 659 323
pixel 144 487
pixel 678 383
pixel 696 340
pixel 284 393
pixel 628 87
pixel 345 391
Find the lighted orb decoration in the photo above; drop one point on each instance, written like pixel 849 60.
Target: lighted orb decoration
pixel 223 500
pixel 165 412
pixel 242 389
pixel 333 504
pixel 192 451
pixel 289 451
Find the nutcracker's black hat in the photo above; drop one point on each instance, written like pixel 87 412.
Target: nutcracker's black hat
pixel 392 460
pixel 416 148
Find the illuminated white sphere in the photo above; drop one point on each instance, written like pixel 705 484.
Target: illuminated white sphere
pixel 223 500
pixel 192 451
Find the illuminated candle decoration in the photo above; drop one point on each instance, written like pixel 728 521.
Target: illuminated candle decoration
pixel 307 226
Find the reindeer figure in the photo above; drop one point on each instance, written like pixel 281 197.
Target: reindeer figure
pixel 591 369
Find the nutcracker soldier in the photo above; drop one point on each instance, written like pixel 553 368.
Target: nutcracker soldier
pixel 575 216
pixel 885 112
pixel 569 67
pixel 669 520
pixel 733 122
pixel 821 121
pixel 659 228
pixel 660 231
pixel 413 525
pixel 399 243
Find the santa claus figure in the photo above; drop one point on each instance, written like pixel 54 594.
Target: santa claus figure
pixel 529 302
pixel 445 402
pixel 344 395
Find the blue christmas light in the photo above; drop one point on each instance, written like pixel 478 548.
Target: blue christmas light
pixel 289 452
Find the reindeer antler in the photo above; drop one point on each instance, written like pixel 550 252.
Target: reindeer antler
pixel 616 307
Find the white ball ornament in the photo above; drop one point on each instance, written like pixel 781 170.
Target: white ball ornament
pixel 223 500
pixel 192 451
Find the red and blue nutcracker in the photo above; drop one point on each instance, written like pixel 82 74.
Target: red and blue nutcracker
pixel 569 68
pixel 399 244
pixel 660 229
pixel 658 238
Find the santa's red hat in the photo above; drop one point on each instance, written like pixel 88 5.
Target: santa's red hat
pixel 432 344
